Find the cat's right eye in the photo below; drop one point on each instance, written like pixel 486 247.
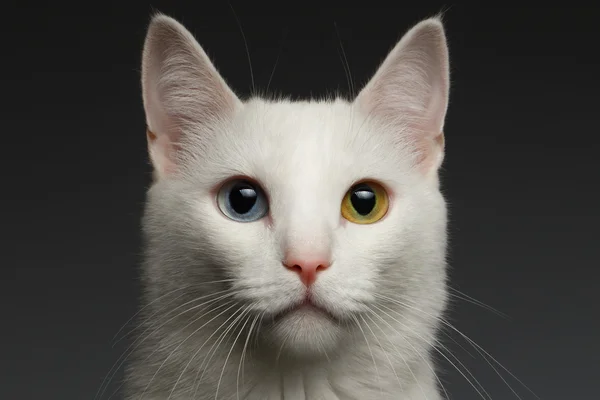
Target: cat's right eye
pixel 242 201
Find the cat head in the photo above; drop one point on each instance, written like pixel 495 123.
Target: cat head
pixel 315 216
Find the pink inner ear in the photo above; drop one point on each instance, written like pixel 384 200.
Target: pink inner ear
pixel 162 152
pixel 429 152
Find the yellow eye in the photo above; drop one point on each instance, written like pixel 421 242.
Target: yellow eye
pixel 365 203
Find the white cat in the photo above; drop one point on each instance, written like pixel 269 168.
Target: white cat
pixel 294 250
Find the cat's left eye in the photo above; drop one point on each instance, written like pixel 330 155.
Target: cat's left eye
pixel 365 203
pixel 242 201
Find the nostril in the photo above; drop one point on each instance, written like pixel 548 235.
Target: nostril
pixel 292 266
pixel 307 269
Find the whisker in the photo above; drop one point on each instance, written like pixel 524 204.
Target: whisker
pixel 216 345
pixel 198 316
pixel 285 33
pixel 405 362
pixel 370 351
pixel 175 309
pixel 242 358
pixel 245 45
pixel 384 352
pixel 345 63
pixel 324 348
pixel 230 351
pixel 443 355
pixel 179 345
pixel 115 391
pixel 417 351
pixel 136 343
pixel 476 346
pixel 286 337
pixel 260 322
pixel 465 297
pixel 186 287
pixel 144 307
pixel 201 347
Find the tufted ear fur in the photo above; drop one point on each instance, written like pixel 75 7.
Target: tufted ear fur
pixel 409 91
pixel 181 90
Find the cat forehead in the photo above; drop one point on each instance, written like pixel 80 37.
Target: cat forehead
pixel 301 144
pixel 308 138
pixel 294 123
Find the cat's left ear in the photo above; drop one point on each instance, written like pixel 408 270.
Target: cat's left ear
pixel 409 91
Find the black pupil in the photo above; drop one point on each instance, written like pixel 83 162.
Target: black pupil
pixel 363 200
pixel 242 198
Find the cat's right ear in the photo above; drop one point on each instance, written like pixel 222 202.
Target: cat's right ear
pixel 182 91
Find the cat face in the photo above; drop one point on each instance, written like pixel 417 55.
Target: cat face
pixel 313 216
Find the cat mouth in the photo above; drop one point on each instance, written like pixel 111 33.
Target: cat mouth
pixel 306 306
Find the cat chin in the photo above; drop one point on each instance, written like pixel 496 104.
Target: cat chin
pixel 306 332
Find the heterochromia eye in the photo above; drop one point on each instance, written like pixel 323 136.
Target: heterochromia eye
pixel 365 203
pixel 242 201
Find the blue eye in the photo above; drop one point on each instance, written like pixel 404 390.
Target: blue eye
pixel 242 201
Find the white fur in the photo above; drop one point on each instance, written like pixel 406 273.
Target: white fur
pixel 305 155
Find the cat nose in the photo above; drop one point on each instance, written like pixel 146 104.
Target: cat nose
pixel 307 268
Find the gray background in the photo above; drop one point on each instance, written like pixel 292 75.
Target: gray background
pixel 521 176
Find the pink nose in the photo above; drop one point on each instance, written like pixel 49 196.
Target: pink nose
pixel 307 268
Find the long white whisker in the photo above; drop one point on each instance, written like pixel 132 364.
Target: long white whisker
pixel 195 319
pixel 179 345
pixel 142 338
pixel 213 350
pixel 384 352
pixel 345 63
pixel 245 45
pixel 443 355
pixel 229 353
pixel 200 348
pixel 260 322
pixel 187 287
pixel 371 352
pixel 146 306
pixel 476 346
pixel 276 61
pixel 405 362
pixel 151 316
pixel 465 297
pixel 410 344
pixel 283 342
pixel 241 366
